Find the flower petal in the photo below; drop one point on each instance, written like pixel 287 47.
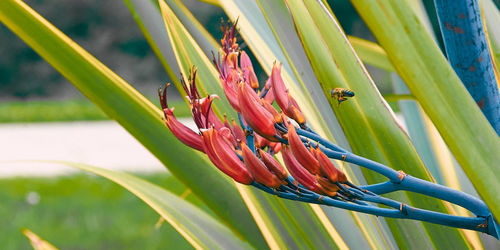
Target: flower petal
pixel 238 132
pixel 224 158
pixel 181 131
pixel 272 164
pixel 327 167
pixel 259 171
pixel 248 71
pixel 298 171
pixel 278 87
pixel 256 116
pixel 301 153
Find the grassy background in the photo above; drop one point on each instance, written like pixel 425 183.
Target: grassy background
pixel 66 110
pixel 85 212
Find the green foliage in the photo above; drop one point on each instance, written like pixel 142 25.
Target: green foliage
pixel 85 211
pixel 67 110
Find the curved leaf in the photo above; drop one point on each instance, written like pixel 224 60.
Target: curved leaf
pixel 36 242
pixel 199 228
pixel 134 112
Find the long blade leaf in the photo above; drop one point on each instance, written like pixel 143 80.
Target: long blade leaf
pixel 199 228
pixel 134 112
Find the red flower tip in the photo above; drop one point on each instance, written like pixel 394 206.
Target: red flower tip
pixel 259 171
pixel 256 116
pixel 229 86
pixel 272 110
pixel 273 165
pixel 227 134
pixel 238 132
pixel 301 153
pixel 286 102
pixel 298 171
pixel 327 167
pixel 294 111
pixel 326 186
pixel 248 72
pixel 221 153
pixel 278 88
pixel 229 40
pixel 261 142
pixel 181 131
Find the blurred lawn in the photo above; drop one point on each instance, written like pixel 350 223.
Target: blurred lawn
pixel 85 212
pixel 68 110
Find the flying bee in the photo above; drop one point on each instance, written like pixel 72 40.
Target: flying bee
pixel 341 94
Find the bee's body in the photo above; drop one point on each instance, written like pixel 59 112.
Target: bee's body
pixel 341 94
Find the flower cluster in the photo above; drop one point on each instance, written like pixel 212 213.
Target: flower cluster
pixel 246 153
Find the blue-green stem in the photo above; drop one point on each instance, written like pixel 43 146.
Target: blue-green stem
pixel 398 210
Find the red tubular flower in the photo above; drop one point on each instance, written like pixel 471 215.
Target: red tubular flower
pixel 301 153
pixel 270 93
pixel 229 86
pixel 227 134
pixel 224 158
pixel 298 171
pixel 248 72
pixel 257 117
pixel 261 142
pixel 326 186
pixel 286 102
pixel 259 171
pixel 208 113
pixel 238 132
pixel 270 108
pixel 294 110
pixel 327 167
pixel 278 88
pixel 181 131
pixel 273 165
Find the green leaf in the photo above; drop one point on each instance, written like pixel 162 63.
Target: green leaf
pixel 36 242
pixel 368 122
pixel 135 113
pixel 439 91
pixel 491 17
pixel 199 228
pixel 371 53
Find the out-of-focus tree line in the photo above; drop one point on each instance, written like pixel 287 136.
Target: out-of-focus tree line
pixel 107 30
